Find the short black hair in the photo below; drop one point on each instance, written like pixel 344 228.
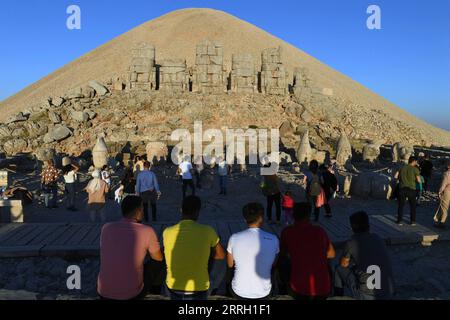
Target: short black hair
pixel 147 164
pixel 412 159
pixel 314 166
pixel 302 210
pixel 191 206
pixel 252 212
pixel 130 204
pixel 359 222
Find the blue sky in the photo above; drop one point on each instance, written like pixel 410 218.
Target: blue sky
pixel 408 61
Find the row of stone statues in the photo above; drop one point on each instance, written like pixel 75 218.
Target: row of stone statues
pixel 400 152
pixel 209 74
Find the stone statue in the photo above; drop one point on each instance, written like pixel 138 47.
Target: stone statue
pixel 244 78
pixel 343 150
pixel 100 154
pixel 274 77
pixel 157 152
pixel 142 73
pixel 371 152
pixel 304 151
pixel 209 75
pixel 402 152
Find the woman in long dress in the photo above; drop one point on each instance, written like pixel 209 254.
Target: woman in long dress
pixel 444 195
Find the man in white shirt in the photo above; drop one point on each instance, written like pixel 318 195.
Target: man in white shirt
pixel 252 253
pixel 185 170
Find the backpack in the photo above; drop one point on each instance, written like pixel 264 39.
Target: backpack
pixel 315 187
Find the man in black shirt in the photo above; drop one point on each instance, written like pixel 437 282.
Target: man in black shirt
pixel 426 170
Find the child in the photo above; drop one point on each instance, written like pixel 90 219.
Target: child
pixel 288 207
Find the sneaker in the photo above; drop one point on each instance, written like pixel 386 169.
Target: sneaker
pixel 413 224
pixel 399 223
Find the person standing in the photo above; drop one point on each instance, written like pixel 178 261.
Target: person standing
pixel 272 191
pixel 138 166
pixel 49 182
pixel 313 182
pixel 185 170
pixel 97 190
pixel 148 188
pixel 288 207
pixel 304 257
pixel 223 170
pixel 444 195
pixel 330 186
pixel 426 170
pixel 408 176
pixel 252 253
pixel 70 180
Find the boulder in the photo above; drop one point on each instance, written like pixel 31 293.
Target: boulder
pixel 79 116
pixel 45 154
pixel 35 129
pixel 74 93
pixel 157 152
pixel 286 129
pixel 14 146
pixel 54 117
pixel 98 87
pixel 92 114
pixel 5 132
pixel 57 134
pixel 372 185
pixel 20 117
pixel 371 152
pixel 57 101
pixel 88 92
pixel 306 116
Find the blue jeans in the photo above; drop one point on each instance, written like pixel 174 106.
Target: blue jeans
pixel 223 181
pixel 50 195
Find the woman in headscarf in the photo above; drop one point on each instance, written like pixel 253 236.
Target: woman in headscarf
pixel 97 190
pixel 444 195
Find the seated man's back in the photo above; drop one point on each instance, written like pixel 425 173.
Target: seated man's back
pixel 254 252
pixel 187 249
pixel 308 246
pixel 123 248
pixel 365 250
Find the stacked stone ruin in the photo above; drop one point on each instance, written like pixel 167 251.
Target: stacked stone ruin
pixel 142 73
pixel 209 75
pixel 173 76
pixel 244 78
pixel 274 77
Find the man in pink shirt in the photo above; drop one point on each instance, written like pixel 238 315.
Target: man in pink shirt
pixel 124 246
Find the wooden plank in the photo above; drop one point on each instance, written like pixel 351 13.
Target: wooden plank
pixel 20 251
pixel 96 240
pixel 331 230
pixel 80 235
pixel 66 236
pixel 32 235
pixel 90 236
pixel 55 235
pixel 47 233
pixel 17 234
pixel 6 228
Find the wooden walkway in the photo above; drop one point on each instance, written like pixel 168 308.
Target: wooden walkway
pixel 37 239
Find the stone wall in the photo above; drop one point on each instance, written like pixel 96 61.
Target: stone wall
pixel 173 76
pixel 244 78
pixel 209 75
pixel 142 73
pixel 274 77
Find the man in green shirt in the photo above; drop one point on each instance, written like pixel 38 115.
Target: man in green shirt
pixel 408 176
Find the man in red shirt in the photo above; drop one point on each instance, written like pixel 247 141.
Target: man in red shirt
pixel 309 250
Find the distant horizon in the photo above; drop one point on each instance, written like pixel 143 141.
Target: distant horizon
pixel 406 62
